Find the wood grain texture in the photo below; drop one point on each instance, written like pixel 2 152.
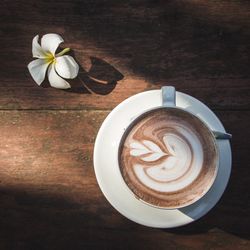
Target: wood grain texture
pixel 49 197
pixel 49 188
pixel 191 44
pixel 39 98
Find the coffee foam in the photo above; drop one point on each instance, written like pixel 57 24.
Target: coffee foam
pixel 164 154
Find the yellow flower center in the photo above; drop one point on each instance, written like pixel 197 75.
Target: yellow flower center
pixel 50 58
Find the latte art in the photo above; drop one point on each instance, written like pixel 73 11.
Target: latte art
pixel 169 169
pixel 164 156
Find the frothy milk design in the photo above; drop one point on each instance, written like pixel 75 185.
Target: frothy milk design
pixel 167 157
pixel 172 167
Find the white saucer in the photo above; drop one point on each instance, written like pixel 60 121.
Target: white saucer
pixel 108 173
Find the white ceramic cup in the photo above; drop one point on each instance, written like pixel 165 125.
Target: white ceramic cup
pixel 169 197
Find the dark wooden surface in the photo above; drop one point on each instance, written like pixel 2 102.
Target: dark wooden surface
pixel 49 197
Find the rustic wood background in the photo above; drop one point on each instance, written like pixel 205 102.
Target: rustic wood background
pixel 49 197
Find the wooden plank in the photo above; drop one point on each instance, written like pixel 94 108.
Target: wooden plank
pixel 48 188
pixel 47 98
pixel 206 55
pixel 38 148
pixel 53 223
pixel 68 226
pixel 228 13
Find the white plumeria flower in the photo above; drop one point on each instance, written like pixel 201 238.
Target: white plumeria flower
pixel 60 65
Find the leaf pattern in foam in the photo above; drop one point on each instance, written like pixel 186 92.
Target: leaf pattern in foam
pixel 148 151
pixel 138 149
pixel 152 146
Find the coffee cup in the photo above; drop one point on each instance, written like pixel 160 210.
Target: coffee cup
pixel 168 157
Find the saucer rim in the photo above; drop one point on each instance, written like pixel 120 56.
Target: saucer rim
pixel 112 201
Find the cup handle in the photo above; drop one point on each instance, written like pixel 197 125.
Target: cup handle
pixel 222 135
pixel 168 96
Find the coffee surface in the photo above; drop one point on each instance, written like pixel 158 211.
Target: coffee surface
pixel 167 157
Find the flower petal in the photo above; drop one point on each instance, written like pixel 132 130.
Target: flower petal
pixel 37 69
pixel 37 50
pixel 50 42
pixel 66 66
pixel 55 80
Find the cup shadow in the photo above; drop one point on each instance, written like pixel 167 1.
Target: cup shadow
pixel 231 212
pixel 222 217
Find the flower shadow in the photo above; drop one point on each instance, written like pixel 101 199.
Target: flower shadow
pixel 101 78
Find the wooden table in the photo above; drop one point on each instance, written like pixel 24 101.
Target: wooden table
pixel 49 197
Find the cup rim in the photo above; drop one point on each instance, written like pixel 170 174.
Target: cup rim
pixel 133 122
